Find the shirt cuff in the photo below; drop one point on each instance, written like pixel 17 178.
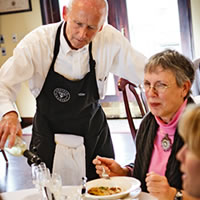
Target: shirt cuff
pixel 8 108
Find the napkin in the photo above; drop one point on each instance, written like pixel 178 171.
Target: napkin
pixel 69 158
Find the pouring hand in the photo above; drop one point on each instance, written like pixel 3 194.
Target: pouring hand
pixel 9 125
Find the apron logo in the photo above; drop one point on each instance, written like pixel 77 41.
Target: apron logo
pixel 61 95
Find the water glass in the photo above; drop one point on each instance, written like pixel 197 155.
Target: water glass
pixel 56 185
pixel 40 175
pixel 34 169
pixel 43 177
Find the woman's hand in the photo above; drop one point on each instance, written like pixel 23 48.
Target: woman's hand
pixel 159 187
pixel 111 167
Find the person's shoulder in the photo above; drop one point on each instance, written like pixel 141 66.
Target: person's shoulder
pixel 108 27
pixel 148 118
pixel 43 34
pixel 145 126
pixel 45 30
pixel 109 30
pixel 48 27
pixel 111 36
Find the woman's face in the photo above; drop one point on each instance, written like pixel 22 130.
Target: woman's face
pixel 164 97
pixel 190 166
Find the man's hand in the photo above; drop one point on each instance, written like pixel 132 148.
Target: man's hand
pixel 159 187
pixel 9 125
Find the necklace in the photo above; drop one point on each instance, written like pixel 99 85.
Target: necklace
pixel 166 143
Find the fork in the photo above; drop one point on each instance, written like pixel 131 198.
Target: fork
pixel 104 174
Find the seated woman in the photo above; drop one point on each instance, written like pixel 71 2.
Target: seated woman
pixel 189 155
pixel 167 81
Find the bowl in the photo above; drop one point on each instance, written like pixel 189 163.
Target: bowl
pixel 127 185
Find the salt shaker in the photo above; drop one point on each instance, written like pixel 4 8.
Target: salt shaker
pixel 83 183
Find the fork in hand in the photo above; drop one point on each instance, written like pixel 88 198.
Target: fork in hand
pixel 104 174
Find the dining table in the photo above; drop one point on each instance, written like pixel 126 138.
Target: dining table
pixel 68 192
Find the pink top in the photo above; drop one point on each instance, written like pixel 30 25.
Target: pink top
pixel 160 157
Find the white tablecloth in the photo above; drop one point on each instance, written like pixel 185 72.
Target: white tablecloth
pixel 70 191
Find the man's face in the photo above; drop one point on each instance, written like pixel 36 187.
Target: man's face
pixel 83 23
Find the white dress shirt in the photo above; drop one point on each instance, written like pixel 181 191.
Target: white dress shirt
pixel 32 58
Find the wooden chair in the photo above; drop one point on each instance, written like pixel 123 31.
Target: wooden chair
pixel 123 86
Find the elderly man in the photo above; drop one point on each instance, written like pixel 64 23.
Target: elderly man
pixel 67 65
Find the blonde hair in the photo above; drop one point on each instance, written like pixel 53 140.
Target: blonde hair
pixel 189 128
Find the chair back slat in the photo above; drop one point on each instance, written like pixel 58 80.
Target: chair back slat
pixel 123 86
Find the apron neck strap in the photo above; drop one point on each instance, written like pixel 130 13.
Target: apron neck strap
pixel 91 61
pixel 57 46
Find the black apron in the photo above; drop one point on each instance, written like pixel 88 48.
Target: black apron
pixel 71 107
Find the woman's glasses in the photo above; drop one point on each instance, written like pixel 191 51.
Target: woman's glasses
pixel 158 87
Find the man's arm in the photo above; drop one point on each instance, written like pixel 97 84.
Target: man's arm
pixel 127 62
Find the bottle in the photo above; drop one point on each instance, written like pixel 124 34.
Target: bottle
pixel 20 148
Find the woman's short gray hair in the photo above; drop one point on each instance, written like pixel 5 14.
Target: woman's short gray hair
pixel 181 67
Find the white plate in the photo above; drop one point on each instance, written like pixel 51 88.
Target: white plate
pixel 127 184
pixel 133 194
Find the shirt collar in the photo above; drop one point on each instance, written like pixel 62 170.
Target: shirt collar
pixel 173 123
pixel 66 49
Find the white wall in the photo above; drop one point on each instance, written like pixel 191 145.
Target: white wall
pixel 20 24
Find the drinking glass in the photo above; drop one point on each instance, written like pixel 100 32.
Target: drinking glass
pixel 41 178
pixel 56 185
pixel 34 169
pixel 39 174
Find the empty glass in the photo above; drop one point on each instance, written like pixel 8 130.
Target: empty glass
pixel 40 175
pixel 41 178
pixel 50 185
pixel 55 185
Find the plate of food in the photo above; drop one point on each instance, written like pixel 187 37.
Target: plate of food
pixel 113 188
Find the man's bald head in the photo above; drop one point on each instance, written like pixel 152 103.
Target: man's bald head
pixel 99 6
